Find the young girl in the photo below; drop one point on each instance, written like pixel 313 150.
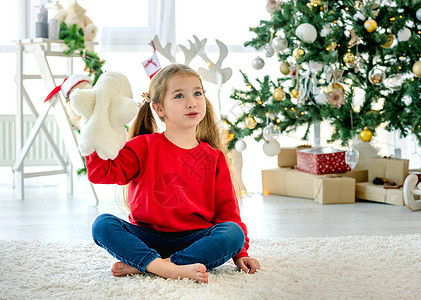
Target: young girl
pixel 184 215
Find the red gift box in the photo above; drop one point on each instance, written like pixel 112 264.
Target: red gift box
pixel 322 160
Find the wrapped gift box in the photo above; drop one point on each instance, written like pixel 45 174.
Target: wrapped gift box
pixel 321 160
pixel 369 191
pixel 334 190
pixel 287 182
pixel 295 183
pixel 393 170
pixel 287 157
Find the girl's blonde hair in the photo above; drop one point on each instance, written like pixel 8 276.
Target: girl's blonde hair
pixel 207 130
pixel 144 123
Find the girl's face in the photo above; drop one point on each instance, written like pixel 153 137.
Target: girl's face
pixel 184 104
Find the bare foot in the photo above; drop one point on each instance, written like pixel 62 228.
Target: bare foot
pixel 167 269
pixel 121 269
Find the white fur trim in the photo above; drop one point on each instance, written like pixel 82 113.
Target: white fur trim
pixel 71 82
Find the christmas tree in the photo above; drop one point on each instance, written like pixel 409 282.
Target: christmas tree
pixel 355 64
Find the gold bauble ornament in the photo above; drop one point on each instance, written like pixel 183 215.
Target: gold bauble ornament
pixel 349 57
pixel 298 53
pixel 370 25
pixel 284 68
pixel 416 68
pixel 250 122
pixel 279 94
pixel 295 93
pixel 366 135
pixel 390 39
pixel 333 86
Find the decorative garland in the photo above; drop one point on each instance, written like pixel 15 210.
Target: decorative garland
pixel 74 39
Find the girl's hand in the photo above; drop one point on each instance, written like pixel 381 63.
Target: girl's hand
pixel 247 264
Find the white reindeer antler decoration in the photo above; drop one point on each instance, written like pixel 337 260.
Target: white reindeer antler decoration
pixel 214 74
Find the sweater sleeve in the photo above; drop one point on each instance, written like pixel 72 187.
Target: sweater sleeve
pixel 128 164
pixel 226 203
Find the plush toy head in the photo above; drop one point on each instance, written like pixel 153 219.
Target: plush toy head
pixel 75 14
pixel 105 109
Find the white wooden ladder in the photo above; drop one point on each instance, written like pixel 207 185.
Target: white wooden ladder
pixel 41 49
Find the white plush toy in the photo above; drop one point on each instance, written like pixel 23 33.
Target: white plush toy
pixel 105 109
pixel 75 14
pixel 412 189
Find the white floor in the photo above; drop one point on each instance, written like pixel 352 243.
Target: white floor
pixel 48 213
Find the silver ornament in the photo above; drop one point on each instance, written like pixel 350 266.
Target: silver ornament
pixel 271 132
pixel 418 14
pixel 258 63
pixel 268 50
pixel 352 156
pixel 271 148
pixel 404 34
pixel 280 44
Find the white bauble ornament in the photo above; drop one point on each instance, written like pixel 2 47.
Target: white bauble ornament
pixel 280 44
pixel 407 100
pixel 352 156
pixel 325 31
pixel 258 63
pixel 404 34
pixel 306 32
pixel 268 50
pixel 393 82
pixel 240 145
pixel 359 16
pixel 271 132
pixel 418 14
pixel 271 148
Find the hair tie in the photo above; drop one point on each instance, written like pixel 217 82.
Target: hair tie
pixel 146 98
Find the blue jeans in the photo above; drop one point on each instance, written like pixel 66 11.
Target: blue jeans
pixel 138 246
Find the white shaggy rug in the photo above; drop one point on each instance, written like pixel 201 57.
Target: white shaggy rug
pixel 355 267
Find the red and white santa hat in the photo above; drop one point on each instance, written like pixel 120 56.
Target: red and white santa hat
pixel 68 84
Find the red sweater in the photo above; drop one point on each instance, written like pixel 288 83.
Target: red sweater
pixel 171 189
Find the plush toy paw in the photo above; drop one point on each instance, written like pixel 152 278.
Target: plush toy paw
pixel 105 109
